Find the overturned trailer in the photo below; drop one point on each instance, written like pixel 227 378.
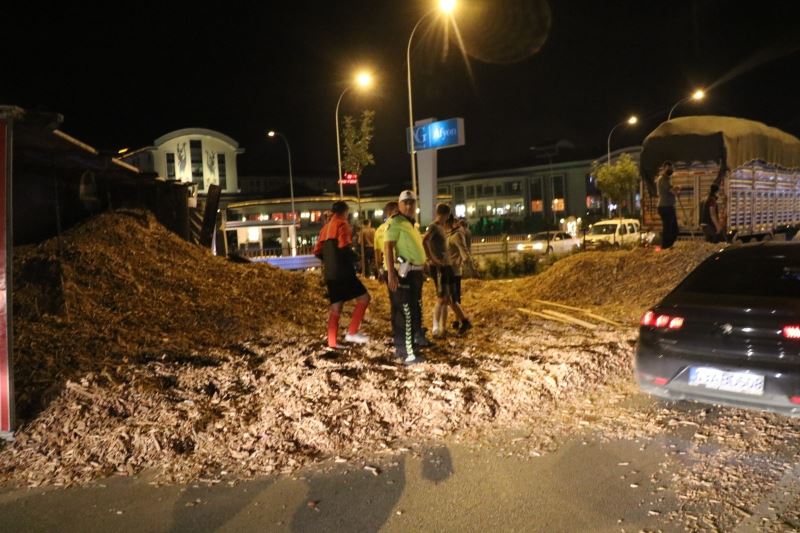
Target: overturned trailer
pixel 756 167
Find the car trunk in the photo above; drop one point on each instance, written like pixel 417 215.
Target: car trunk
pixel 731 329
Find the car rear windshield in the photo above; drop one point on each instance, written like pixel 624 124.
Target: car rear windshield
pixel 771 274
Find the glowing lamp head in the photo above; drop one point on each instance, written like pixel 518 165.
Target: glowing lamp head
pixel 270 133
pixel 633 120
pixel 364 80
pixel 447 6
pixel 698 95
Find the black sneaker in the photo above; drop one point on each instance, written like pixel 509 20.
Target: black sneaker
pixel 465 325
pixel 422 341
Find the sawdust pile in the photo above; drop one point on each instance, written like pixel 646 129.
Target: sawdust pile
pixel 622 283
pixel 121 290
pixel 137 351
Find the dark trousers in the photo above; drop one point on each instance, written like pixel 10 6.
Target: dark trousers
pixel 669 225
pixel 406 313
pixel 457 290
pixel 711 233
pixel 369 258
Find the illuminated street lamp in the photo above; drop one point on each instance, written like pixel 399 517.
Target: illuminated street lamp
pixel 697 96
pixel 363 81
pixel 446 7
pixel 632 121
pixel 272 134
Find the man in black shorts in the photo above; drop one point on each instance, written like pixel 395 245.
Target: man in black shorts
pixel 436 250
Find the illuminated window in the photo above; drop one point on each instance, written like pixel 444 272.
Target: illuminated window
pixel 223 171
pixel 171 166
pixel 196 149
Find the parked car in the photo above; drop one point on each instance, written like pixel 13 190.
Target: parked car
pixel 730 332
pixel 613 232
pixel 557 242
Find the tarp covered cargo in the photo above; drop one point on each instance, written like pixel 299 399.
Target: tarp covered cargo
pixel 732 141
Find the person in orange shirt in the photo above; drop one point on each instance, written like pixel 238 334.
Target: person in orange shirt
pixel 335 248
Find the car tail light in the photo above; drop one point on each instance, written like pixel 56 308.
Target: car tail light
pixel 676 323
pixel 662 321
pixel 650 319
pixel 660 381
pixel 791 332
pixel 794 399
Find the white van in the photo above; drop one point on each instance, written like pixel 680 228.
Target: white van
pixel 613 232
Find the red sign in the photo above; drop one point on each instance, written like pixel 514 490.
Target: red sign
pixel 349 179
pixel 6 389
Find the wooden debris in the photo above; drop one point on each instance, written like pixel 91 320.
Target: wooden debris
pixel 570 319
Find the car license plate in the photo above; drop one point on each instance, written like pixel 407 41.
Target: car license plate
pixel 741 382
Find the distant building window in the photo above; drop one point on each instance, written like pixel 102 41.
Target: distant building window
pixel 196 149
pixel 537 196
pixel 458 193
pixel 558 194
pixel 512 188
pixel 443 190
pixel 223 171
pixel 471 191
pixel 171 166
pixel 558 186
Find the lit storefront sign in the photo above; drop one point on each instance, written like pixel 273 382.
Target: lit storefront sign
pixel 349 179
pixel 438 135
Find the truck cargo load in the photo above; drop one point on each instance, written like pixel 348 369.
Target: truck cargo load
pixel 756 167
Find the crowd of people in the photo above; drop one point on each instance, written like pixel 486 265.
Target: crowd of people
pixel 401 257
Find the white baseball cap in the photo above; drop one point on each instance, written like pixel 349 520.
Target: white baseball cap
pixel 406 196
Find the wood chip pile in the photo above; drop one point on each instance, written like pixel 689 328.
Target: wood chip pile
pixel 623 282
pixel 137 351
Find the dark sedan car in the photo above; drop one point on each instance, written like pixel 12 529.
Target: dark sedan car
pixel 729 333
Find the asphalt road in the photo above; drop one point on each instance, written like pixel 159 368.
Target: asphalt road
pixel 588 484
pixel 456 487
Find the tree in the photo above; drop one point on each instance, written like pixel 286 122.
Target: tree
pixel 617 181
pixel 356 154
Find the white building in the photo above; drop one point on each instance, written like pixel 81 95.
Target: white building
pixel 195 155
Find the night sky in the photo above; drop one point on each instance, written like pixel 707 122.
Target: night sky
pixel 125 75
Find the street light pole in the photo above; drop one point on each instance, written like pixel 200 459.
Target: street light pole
pixel 411 106
pixel 446 7
pixel 338 144
pixel 291 184
pixel 631 121
pixel 698 95
pixel 363 80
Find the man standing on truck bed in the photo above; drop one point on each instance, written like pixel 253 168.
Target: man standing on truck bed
pixel 666 205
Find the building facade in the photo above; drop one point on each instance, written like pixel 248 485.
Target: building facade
pixel 529 198
pixel 192 155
